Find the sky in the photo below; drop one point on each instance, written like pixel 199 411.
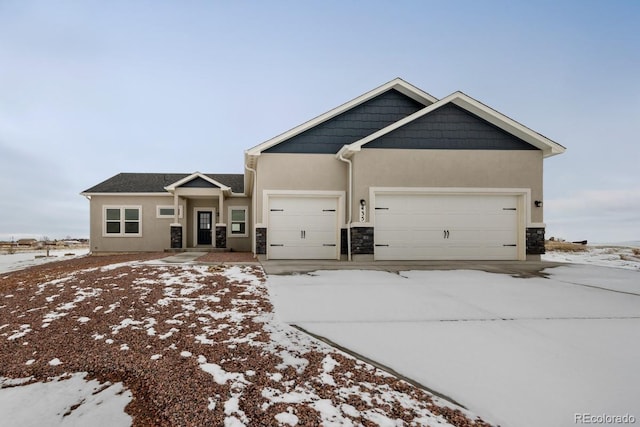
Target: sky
pixel 89 89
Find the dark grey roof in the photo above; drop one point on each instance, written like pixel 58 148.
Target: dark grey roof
pixel 155 182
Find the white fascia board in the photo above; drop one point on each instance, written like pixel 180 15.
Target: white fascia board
pixel 194 175
pixel 397 83
pixel 548 147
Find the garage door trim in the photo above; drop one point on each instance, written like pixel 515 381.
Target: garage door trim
pixel 338 196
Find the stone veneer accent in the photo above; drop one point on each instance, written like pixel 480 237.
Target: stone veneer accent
pixel 176 236
pixel 362 240
pixel 221 236
pixel 535 241
pixel 261 241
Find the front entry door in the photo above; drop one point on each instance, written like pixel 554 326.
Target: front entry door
pixel 204 227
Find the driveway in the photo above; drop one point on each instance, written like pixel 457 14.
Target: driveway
pixel 522 352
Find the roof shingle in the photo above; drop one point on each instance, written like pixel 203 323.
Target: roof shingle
pixel 155 182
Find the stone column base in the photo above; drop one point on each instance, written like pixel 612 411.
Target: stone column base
pixel 176 236
pixel 221 236
pixel 535 241
pixel 261 241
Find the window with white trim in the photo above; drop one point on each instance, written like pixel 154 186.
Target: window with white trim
pixel 238 221
pixel 168 211
pixel 122 221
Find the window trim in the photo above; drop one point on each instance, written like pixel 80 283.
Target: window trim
pixel 160 216
pixel 122 221
pixel 230 221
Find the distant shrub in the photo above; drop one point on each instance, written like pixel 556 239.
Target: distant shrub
pixel 564 246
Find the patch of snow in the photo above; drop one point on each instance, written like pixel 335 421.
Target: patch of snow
pixel 20 260
pixel 287 418
pixel 156 356
pixel 604 256
pixel 349 410
pixel 71 401
pixel 233 422
pixel 277 377
pixel 83 319
pixel 185 354
pixel 24 330
pixel 55 362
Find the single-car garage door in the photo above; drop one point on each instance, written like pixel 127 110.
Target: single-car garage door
pixel 434 226
pixel 303 228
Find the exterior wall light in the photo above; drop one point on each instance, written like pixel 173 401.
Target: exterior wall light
pixel 538 203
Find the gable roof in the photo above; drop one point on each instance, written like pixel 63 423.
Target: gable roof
pixel 198 179
pixel 157 182
pixel 397 84
pixel 499 120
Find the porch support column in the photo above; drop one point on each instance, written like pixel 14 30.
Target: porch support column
pixel 221 226
pixel 176 214
pixel 221 208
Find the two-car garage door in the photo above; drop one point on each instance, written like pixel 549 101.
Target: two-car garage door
pixel 447 227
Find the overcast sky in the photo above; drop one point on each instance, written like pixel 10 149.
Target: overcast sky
pixel 92 88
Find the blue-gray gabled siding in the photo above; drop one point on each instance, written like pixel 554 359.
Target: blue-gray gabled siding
pixel 450 128
pixel 352 125
pixel 198 182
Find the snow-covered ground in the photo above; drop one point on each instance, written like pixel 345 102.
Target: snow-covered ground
pixel 69 401
pixel 606 256
pixel 195 344
pixel 19 260
pixel 518 352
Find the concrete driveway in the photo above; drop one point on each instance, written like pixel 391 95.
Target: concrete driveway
pixel 518 351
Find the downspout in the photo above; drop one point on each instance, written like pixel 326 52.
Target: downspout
pixel 253 208
pixel 349 196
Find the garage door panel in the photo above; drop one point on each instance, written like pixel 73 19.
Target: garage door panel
pixel 303 228
pixel 428 226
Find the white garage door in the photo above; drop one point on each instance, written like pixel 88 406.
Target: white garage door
pixel 432 227
pixel 303 228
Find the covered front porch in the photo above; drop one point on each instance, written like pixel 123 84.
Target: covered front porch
pixel 199 220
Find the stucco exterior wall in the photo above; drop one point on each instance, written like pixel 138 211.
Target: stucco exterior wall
pixel 448 168
pixel 238 244
pixel 298 172
pixel 155 231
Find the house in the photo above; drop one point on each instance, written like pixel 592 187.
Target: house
pixel 394 174
pixel 27 242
